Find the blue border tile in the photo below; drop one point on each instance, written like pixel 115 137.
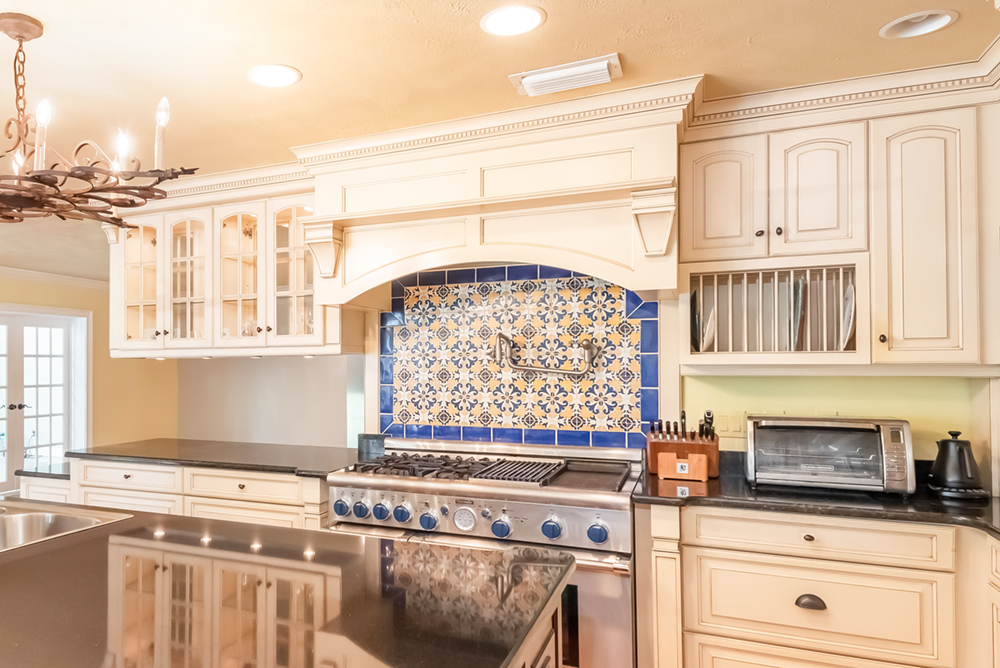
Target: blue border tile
pixel 476 434
pixel 385 397
pixel 608 439
pixel 387 319
pixel 491 274
pixel 507 435
pixel 430 278
pixel 385 346
pixel 564 437
pixel 383 422
pixel 418 431
pixel 649 404
pixel 386 364
pixel 636 440
pixel 443 433
pixel 461 276
pixel 632 302
pixel 522 272
pixel 408 281
pixel 397 289
pixel 395 430
pixel 649 336
pixel 645 311
pixel 649 370
pixel 540 436
pixel 553 272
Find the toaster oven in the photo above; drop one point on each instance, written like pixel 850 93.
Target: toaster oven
pixel 840 453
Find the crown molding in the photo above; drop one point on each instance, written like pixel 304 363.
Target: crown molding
pixel 57 279
pixel 975 76
pixel 673 95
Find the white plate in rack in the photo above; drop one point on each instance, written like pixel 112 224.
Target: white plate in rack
pixel 847 318
pixel 709 337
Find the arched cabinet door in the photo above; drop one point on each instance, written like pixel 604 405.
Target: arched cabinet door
pixel 240 280
pixel 723 199
pixel 187 313
pixel 293 316
pixel 818 190
pixel 136 286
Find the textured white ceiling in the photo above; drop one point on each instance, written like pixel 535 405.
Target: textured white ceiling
pixel 375 65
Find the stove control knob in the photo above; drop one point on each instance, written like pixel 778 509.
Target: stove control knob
pixel 381 511
pixel 402 513
pixel 428 522
pixel 341 507
pixel 551 529
pixel 360 510
pixel 598 533
pixel 444 510
pixel 485 513
pixel 501 528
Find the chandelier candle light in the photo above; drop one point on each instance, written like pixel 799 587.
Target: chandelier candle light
pixel 90 186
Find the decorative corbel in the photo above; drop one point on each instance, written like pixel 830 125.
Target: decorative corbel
pixel 111 232
pixel 325 242
pixel 653 212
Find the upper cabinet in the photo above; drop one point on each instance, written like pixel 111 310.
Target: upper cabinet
pixel 235 279
pixel 788 193
pixel 925 296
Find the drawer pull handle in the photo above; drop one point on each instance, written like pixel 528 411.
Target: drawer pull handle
pixel 808 538
pixel 242 486
pixel 128 475
pixel 810 602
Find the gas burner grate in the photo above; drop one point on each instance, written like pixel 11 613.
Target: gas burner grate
pixel 442 467
pixel 532 472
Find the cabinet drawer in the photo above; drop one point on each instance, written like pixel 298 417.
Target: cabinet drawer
pixel 131 476
pixel 234 511
pixel 142 501
pixel 711 652
pixel 925 546
pixel 889 614
pixel 45 489
pixel 243 485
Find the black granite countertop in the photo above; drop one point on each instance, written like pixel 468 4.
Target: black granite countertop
pixel 304 460
pixel 402 603
pixel 731 490
pixel 59 470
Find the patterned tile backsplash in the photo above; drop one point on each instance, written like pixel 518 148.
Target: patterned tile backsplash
pixel 437 379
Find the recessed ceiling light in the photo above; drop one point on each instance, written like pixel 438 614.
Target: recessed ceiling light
pixel 918 24
pixel 512 20
pixel 274 76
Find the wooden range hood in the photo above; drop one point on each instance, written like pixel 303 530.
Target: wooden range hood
pixel 587 184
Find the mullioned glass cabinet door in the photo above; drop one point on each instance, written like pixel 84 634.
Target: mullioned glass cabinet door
pixel 188 308
pixel 295 319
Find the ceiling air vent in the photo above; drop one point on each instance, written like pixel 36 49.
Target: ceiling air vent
pixel 582 73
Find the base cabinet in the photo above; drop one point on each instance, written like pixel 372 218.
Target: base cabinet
pixel 701 651
pixel 45 489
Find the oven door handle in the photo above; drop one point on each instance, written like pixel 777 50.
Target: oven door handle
pixel 820 424
pixel 618 567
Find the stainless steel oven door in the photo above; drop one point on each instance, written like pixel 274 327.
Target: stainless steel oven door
pixel 597 605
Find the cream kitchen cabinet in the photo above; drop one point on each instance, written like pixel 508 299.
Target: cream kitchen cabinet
pixel 230 280
pixel 925 270
pixel 45 489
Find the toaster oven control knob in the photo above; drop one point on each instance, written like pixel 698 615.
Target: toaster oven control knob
pixel 381 512
pixel 428 522
pixel 360 510
pixel 551 529
pixel 402 513
pixel 501 528
pixel 598 533
pixel 341 507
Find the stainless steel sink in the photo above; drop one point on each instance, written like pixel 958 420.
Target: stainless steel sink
pixel 23 523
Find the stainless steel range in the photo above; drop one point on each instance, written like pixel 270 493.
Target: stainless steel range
pixel 567 498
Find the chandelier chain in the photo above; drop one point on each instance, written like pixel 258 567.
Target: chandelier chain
pixel 20 99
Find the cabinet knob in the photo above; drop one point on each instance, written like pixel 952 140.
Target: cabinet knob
pixel 260 582
pixel 269 584
pixel 158 332
pixel 777 231
pixel 809 538
pixel 259 330
pixel 268 328
pixel 128 475
pixel 759 233
pixel 242 486
pixel 882 338
pixel 810 602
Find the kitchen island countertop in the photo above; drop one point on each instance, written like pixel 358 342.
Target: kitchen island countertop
pixel 388 603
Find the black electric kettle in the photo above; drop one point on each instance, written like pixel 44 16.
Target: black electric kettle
pixel 955 474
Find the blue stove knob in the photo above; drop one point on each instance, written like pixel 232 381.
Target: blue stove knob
pixel 341 507
pixel 360 510
pixel 401 513
pixel 428 522
pixel 598 533
pixel 381 511
pixel 551 529
pixel 501 528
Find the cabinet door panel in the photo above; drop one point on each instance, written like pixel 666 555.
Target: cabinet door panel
pixel 666 568
pixel 924 264
pixel 187 270
pixel 188 612
pixel 818 190
pixel 723 202
pixel 240 275
pixel 137 294
pixel 240 615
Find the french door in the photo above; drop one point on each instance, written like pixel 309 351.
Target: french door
pixel 35 406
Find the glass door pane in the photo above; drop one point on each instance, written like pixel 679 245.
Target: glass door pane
pixel 44 389
pixel 189 621
pixel 139 594
pixel 187 280
pixel 293 275
pixel 239 633
pixel 140 284
pixel 6 462
pixel 297 615
pixel 239 258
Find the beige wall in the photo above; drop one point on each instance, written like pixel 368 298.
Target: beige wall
pixel 131 399
pixel 293 400
pixel 932 405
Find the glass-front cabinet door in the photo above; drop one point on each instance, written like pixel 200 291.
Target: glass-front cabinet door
pixel 142 325
pixel 188 614
pixel 295 612
pixel 188 310
pixel 136 579
pixel 240 625
pixel 294 320
pixel 241 314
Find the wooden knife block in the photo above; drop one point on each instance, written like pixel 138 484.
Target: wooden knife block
pixel 694 467
pixel 683 449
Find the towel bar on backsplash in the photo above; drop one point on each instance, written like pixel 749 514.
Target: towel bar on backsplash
pixel 503 352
